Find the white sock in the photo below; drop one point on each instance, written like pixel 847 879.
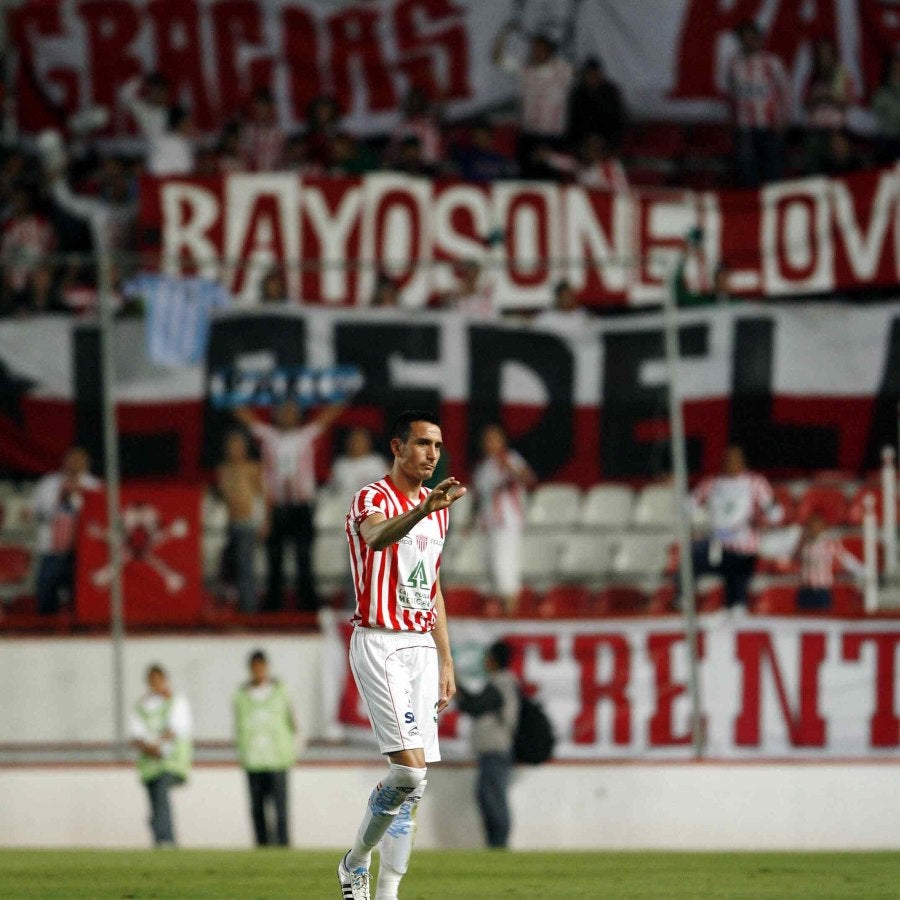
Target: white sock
pixel 396 845
pixel 384 804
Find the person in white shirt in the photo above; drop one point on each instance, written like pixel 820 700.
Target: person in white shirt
pixel 289 477
pixel 735 500
pixel 161 729
pixel 55 507
pixel 359 465
pixel 500 481
pixel 165 128
pixel 545 80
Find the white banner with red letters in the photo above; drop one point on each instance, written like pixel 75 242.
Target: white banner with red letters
pixel 811 687
pixel 332 236
pixel 669 56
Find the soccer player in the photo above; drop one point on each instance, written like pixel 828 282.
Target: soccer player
pixel 399 650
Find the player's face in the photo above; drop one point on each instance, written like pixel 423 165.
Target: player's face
pixel 419 455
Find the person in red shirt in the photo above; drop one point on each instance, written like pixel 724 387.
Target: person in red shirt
pixel 400 649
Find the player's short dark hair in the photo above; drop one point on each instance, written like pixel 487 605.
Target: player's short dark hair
pixel 257 656
pixel 501 653
pixel 156 669
pixel 401 426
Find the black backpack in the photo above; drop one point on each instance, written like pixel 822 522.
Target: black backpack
pixel 534 740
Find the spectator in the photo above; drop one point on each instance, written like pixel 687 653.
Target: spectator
pixel 842 158
pixel 409 159
pixel 27 240
pixel 595 107
pixel 387 291
pixel 166 128
pixel 829 95
pixel 359 465
pixel 265 733
pixel 229 149
pixel 735 500
pixel 239 480
pixel 41 295
pixel 818 554
pixel 289 476
pixel 478 160
pixel 55 507
pixel 495 711
pixel 273 288
pixel 760 94
pixel 545 80
pixel 420 120
pixel 351 157
pixel 886 107
pixel 323 119
pixel 474 295
pixel 720 290
pixel 567 313
pixel 500 481
pixel 262 138
pixel 161 733
pixel 594 167
pixel 207 163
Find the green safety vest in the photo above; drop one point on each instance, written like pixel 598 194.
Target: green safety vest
pixel 265 739
pixel 178 762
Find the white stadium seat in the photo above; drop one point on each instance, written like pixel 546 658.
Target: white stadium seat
pixel 540 556
pixel 465 561
pixel 331 558
pixel 607 506
pixel 554 505
pixel 641 554
pixel 779 543
pixel 655 507
pixel 331 511
pixel 585 557
pixel 462 513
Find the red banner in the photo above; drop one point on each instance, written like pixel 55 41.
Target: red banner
pixel 810 236
pixel 161 556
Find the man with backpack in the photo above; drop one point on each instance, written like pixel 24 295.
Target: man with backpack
pixel 495 714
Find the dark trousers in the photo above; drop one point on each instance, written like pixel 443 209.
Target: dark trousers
pixel 736 570
pixel 237 563
pixel 292 522
pixel 529 167
pixel 491 790
pixel 54 574
pixel 161 823
pixel 268 792
pixel 814 598
pixel 760 156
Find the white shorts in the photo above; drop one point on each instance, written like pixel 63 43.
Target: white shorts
pixel 396 673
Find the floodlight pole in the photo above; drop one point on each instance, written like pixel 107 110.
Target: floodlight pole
pixel 111 455
pixel 682 519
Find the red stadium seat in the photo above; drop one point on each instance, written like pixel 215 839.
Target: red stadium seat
pixel 663 140
pixel 707 140
pixel 463 601
pixel 829 502
pixel 857 506
pixel 847 600
pixel 567 601
pixel 621 600
pixel 711 599
pixel 662 601
pixel 785 499
pixel 776 600
pixel 15 563
pixel 839 477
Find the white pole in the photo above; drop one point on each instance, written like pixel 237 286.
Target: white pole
pixel 683 522
pixel 889 511
pixel 111 454
pixel 870 554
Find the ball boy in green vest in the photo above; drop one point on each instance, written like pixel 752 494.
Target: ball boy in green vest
pixel 265 731
pixel 161 733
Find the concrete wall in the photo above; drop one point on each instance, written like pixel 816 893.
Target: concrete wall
pixel 679 806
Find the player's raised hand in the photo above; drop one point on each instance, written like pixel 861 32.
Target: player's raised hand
pixel 443 495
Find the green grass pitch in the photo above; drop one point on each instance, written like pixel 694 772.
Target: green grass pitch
pixel 282 874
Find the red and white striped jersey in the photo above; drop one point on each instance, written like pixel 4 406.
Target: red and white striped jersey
pixel 288 460
pixel 545 94
pixel 760 90
pixel 262 147
pixel 427 130
pixel 735 503
pixel 820 557
pixel 395 587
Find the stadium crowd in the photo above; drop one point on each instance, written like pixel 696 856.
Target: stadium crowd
pixel 572 125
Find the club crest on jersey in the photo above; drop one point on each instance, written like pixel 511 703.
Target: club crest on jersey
pixel 421 542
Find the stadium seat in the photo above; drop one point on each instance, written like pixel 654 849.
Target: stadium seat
pixel 709 140
pixel 661 600
pixel 465 561
pixel 842 478
pixel 330 559
pixel 641 554
pixel 607 506
pixel 462 514
pixel 584 557
pixel 778 544
pixel 562 602
pixel 331 511
pixel 655 507
pixel 827 501
pixel 554 505
pixel 463 601
pixel 15 509
pixel 540 556
pixel 656 140
pixel 213 513
pixel 857 507
pixel 788 503
pixel 847 600
pixel 776 600
pixel 621 600
pixel 15 564
pixel 212 545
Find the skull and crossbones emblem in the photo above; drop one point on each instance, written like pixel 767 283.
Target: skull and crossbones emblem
pixel 144 534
